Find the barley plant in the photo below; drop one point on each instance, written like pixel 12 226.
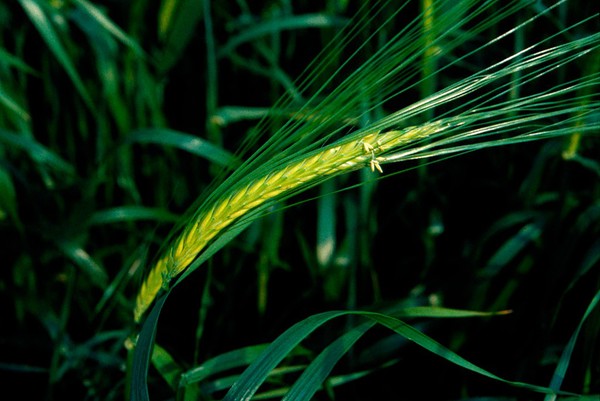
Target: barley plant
pixel 355 200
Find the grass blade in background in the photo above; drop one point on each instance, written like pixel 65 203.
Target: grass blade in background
pixel 320 368
pixel 565 358
pixel 7 101
pixel 43 22
pixel 109 26
pixel 36 151
pixel 279 24
pixel 187 142
pixel 131 213
pixel 176 25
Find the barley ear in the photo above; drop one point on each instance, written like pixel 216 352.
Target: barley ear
pixel 340 157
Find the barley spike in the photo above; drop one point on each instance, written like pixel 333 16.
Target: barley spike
pixel 340 157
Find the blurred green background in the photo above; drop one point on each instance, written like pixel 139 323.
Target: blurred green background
pixel 116 115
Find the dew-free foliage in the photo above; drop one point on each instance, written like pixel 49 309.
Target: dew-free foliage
pixel 389 199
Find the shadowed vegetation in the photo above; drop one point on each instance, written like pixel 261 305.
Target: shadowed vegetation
pixel 295 199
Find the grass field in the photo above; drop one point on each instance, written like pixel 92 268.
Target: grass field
pixel 300 200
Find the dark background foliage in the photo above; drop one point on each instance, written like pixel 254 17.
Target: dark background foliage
pixel 86 202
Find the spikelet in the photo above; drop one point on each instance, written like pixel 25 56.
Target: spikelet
pixel 338 158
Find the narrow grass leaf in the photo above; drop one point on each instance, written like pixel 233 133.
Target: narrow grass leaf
pixel 231 114
pixel 112 294
pixel 589 163
pixel 36 151
pixel 131 213
pixel 212 77
pixel 84 261
pixel 8 199
pixel 275 377
pixel 190 143
pixel 326 223
pixel 102 20
pixel 279 24
pixel 591 259
pixel 219 384
pixel 340 380
pixel 229 360
pixel 11 104
pixel 436 348
pixel 22 368
pixel 142 352
pixel 177 23
pixel 256 374
pixel 166 16
pixel 512 247
pixel 11 60
pixel 565 358
pixel 166 366
pixel 106 52
pixel 440 312
pixel 319 369
pixel 46 29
